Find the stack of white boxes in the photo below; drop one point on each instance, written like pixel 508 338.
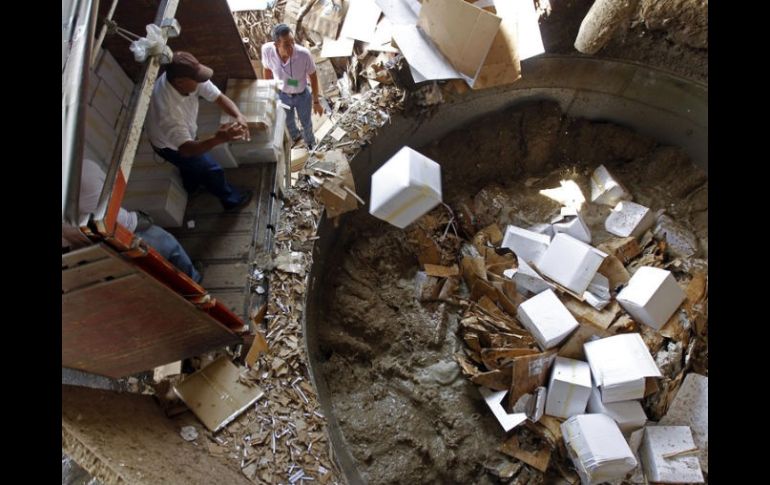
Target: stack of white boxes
pixel 257 99
pixel 405 187
pixel 154 186
pixel 597 448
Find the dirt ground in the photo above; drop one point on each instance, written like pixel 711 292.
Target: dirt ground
pixel 404 407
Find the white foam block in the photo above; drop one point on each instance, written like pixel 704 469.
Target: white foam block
pixel 619 365
pixel 605 189
pixel 527 245
pixel 651 296
pixel 659 443
pixel 405 188
pixel 597 448
pixel 569 388
pixel 628 414
pixel 629 219
pixel 547 319
pixel 571 263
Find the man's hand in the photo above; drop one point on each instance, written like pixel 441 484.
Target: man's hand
pixel 232 131
pixel 241 120
pixel 317 108
pixel 143 221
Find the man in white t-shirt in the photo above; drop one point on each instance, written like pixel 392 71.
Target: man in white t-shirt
pixel 91 184
pixel 293 65
pixel 172 128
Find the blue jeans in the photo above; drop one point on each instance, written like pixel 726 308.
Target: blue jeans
pixel 202 170
pixel 303 104
pixel 168 247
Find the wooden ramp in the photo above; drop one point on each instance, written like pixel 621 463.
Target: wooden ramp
pixel 226 243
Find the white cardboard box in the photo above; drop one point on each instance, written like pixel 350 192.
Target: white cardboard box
pixel 528 246
pixel 629 219
pixel 164 200
pixel 628 414
pixel 597 448
pixel 571 263
pixel 569 388
pixel 620 364
pixel 547 319
pixel 494 400
pixel 571 222
pixel 651 296
pixel 605 189
pixel 666 440
pixel 405 188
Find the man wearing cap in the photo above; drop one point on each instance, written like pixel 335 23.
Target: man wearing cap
pixel 172 128
pixel 293 64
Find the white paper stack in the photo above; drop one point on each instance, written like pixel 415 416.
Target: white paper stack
pixel 569 388
pixel 620 364
pixel 547 319
pixel 597 448
pixel 652 296
pixel 628 414
pixel 571 263
pixel 629 219
pixel 406 187
pixel 660 458
pixel 605 189
pixel 527 245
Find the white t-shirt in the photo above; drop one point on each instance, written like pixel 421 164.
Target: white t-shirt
pixel 298 67
pixel 172 119
pixel 91 182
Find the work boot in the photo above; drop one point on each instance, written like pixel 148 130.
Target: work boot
pixel 245 199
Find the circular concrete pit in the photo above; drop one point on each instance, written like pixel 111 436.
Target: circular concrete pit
pixel 383 362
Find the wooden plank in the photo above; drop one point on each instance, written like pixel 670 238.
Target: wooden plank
pixel 203 246
pixel 132 324
pixel 86 274
pixel 83 255
pixel 226 275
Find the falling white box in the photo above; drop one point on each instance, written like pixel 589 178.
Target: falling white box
pixel 527 278
pixel 571 263
pixel 597 448
pixel 605 189
pixel 628 414
pixel 651 296
pixel 620 364
pixel 405 187
pixel 527 245
pixel 658 446
pixel 547 319
pixel 569 388
pixel 164 200
pixel 629 219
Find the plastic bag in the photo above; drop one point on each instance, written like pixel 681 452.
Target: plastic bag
pixel 151 45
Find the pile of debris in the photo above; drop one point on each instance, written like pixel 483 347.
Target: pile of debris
pixel 562 329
